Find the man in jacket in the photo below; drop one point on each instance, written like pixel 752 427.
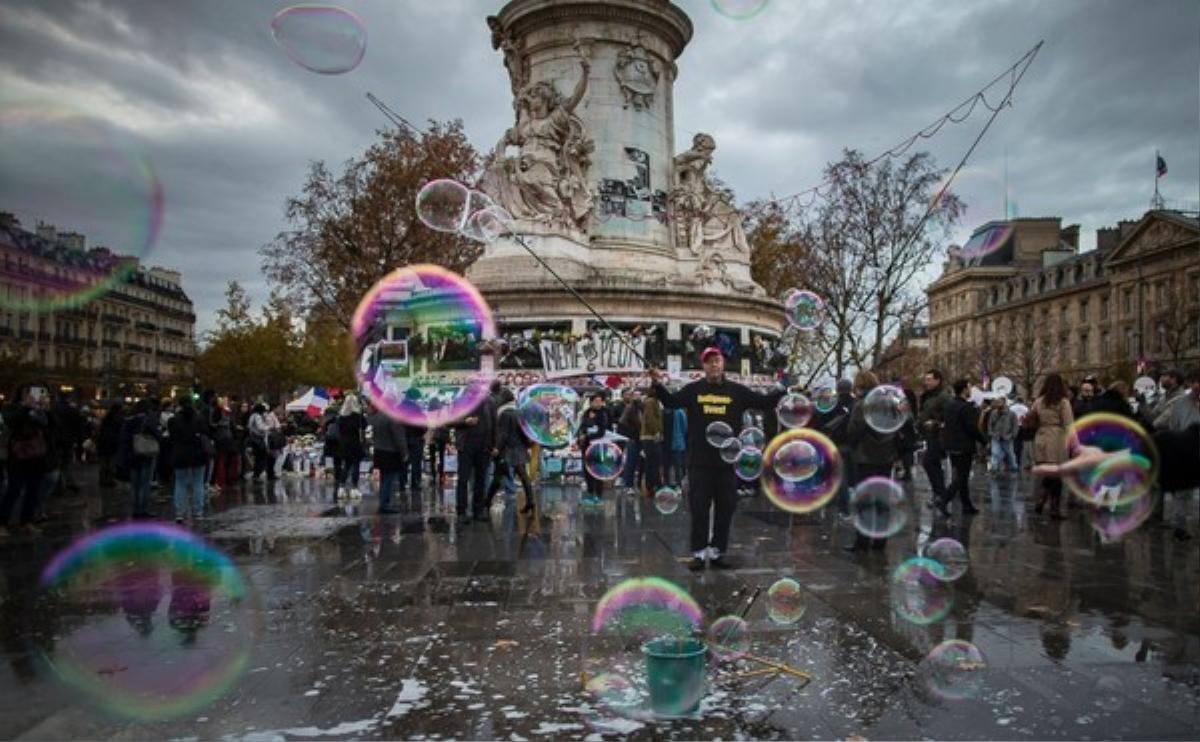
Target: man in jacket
pixel 712 484
pixel 1002 429
pixel 390 444
pixel 930 422
pixel 474 438
pixel 959 435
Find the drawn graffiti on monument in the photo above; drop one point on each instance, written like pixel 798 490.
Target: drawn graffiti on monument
pixel 633 198
pixel 637 75
pixel 545 180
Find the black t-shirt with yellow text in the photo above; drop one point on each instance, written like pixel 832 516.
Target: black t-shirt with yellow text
pixel 705 403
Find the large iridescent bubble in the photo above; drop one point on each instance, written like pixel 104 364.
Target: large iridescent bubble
pixel 1123 478
pixel 420 334
pixel 885 408
pixel 163 621
pixel 805 310
pixel 729 638
pixel 953 557
pixel 807 493
pixel 748 465
pixel 953 671
pixel 105 198
pixel 878 507
pixel 603 459
pixel 321 38
pixel 718 433
pixel 785 601
pixel 739 10
pixel 919 592
pixel 630 615
pixel 824 399
pixel 794 410
pixel 547 413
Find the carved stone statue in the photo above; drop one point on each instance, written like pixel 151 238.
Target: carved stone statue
pixel 514 62
pixel 706 220
pixel 637 74
pixel 546 180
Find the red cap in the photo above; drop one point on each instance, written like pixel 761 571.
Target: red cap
pixel 710 350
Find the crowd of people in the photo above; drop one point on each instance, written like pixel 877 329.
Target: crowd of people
pixel 199 445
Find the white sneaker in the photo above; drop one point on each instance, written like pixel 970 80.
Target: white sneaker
pixel 341 493
pixel 355 494
pixel 713 553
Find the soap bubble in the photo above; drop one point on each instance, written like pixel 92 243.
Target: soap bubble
pixel 161 625
pixel 953 670
pixel 739 10
pixel 718 433
pixel 885 408
pixel 488 225
pixel 546 413
pixel 796 461
pixel 444 205
pixel 919 593
pixel 794 410
pixel 825 399
pixel 785 601
pixel 96 180
pixel 1122 479
pixel 667 499
pixel 811 492
pixel 729 638
pixel 951 555
pixel 748 465
pixel 804 310
pixel 752 438
pixel 320 38
pixel 630 616
pixel 432 309
pixel 877 506
pixel 1112 524
pixel 603 460
pixel 1107 693
pixel 731 450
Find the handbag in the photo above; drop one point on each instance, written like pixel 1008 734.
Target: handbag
pixel 1029 425
pixel 276 440
pixel 145 445
pixel 25 449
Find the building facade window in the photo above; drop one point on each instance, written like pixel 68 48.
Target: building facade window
pixel 1083 310
pixel 1084 355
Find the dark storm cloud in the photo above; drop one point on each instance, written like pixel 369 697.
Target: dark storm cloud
pixel 231 124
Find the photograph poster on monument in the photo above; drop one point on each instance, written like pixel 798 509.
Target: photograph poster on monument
pixel 518 343
pixel 727 339
pixel 454 347
pixel 654 334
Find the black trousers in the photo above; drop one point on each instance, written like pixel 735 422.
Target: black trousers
pixel 932 464
pixel 960 468
pixel 500 472
pixel 706 488
pixel 472 469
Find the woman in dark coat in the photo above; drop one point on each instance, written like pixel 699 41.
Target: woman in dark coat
pixel 351 447
pixel 872 453
pixel 108 440
pixel 511 452
pixel 140 463
pixel 28 458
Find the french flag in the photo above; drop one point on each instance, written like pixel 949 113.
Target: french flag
pixel 317 402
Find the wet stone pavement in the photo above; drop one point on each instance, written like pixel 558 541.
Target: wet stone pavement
pixel 406 626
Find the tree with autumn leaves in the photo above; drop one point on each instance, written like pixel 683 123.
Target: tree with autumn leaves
pixel 345 231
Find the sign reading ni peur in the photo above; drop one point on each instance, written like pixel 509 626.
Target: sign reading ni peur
pixel 601 355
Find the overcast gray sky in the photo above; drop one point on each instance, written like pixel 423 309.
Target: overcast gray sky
pixel 230 123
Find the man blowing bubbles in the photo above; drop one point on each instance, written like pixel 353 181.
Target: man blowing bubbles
pixel 711 481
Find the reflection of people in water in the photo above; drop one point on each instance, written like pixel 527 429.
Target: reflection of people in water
pixel 191 601
pixel 140 591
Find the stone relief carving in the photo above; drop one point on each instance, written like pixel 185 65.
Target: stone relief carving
pixel 545 181
pixel 637 74
pixel 518 71
pixel 706 220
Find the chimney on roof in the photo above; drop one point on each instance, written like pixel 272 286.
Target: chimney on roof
pixel 73 240
pixel 1070 235
pixel 1107 238
pixel 47 232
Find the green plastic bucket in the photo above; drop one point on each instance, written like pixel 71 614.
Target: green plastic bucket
pixel 675 675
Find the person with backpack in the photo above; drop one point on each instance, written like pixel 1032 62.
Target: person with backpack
pixel 352 448
pixel 629 425
pixel 28 458
pixel 676 442
pixel 651 436
pixel 960 433
pixel 511 452
pixel 593 425
pixel 872 453
pixel 188 460
pixel 1002 429
pixel 329 439
pixel 930 422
